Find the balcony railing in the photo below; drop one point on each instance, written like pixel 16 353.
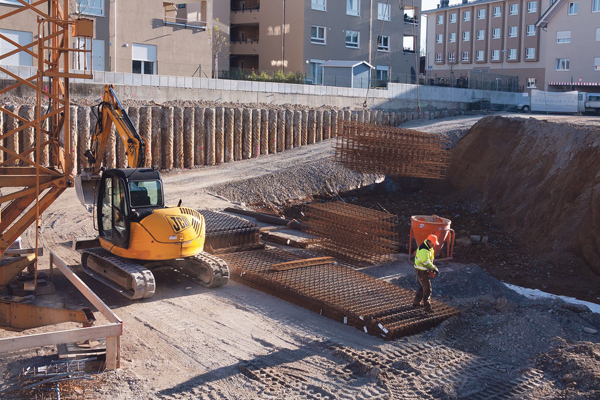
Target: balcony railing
pixel 184 22
pixel 244 41
pixel 245 9
pixel 410 20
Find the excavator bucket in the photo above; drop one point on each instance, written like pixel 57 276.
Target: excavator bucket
pixel 85 187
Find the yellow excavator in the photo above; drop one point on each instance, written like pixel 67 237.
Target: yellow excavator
pixel 136 231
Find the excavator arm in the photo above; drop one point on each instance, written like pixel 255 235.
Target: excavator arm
pixel 110 111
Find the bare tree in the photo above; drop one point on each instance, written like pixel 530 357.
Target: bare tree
pixel 220 45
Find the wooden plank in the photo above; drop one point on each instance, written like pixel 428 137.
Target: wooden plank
pixel 113 352
pixel 284 266
pixel 54 338
pixel 84 289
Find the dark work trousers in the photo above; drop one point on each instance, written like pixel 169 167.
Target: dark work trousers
pixel 424 292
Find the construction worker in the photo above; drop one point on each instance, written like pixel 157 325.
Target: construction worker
pixel 424 267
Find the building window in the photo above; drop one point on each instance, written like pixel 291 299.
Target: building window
pixel 480 34
pixel 530 30
pixel 563 37
pixel 353 7
pixel 452 37
pixel 382 73
pixel 467 16
pixel 496 33
pixel 383 43
pixel 562 64
pixel 316 71
pixel 451 58
pixel 514 9
pixel 352 39
pixel 495 55
pixel 465 56
pixel 532 6
pixel 497 12
pixel 453 18
pixel 317 34
pixel 438 57
pixel 479 55
pixel 481 13
pixel 20 37
pixel 95 60
pixel 15 2
pixel 512 31
pixel 143 59
pixel 596 63
pixel 572 8
pixel 440 38
pixel 320 5
pixel 512 54
pixel 466 36
pixel 90 7
pixel 383 11
pixel 530 53
pixel 596 6
pixel 440 20
pixel 531 83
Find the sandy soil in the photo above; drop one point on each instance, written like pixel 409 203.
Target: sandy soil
pixel 235 342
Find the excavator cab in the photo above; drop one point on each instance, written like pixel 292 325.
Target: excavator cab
pixel 126 195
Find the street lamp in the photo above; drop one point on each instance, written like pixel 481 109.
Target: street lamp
pixel 502 65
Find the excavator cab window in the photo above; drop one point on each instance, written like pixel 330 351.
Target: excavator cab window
pixel 145 194
pixel 114 214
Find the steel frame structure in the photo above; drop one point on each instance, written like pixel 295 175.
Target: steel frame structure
pixel 35 152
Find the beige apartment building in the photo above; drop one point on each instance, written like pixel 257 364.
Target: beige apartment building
pixel 551 45
pixel 572 45
pixel 143 37
pixel 496 36
pixel 300 35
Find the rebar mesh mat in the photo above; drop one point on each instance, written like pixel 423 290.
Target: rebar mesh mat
pixel 392 151
pixel 336 291
pixel 351 232
pixel 224 230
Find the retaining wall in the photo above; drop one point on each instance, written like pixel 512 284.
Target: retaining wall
pixel 184 137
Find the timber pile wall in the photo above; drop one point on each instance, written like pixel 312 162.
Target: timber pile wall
pixel 185 137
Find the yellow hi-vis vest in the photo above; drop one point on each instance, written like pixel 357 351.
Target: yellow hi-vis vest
pixel 424 258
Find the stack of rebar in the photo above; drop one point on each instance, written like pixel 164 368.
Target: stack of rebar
pixel 392 151
pixel 351 232
pixel 224 230
pixel 339 292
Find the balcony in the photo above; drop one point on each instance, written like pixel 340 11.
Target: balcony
pixel 184 23
pixel 244 46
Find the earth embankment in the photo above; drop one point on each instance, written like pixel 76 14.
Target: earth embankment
pixel 540 179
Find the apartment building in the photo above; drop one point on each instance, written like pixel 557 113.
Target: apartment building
pixel 299 36
pixel 496 36
pixel 143 37
pixel 572 45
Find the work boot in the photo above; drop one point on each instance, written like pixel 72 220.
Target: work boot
pixel 428 309
pixel 415 305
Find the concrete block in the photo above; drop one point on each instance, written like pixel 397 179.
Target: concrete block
pixel 196 83
pixel 269 87
pixel 219 84
pixel 234 85
pixel 137 79
pixel 172 81
pixel 128 79
pixel 212 85
pixel 163 80
pixel 155 80
pixel 109 76
pixel 179 81
pixel 187 82
pixel 146 80
pixel 204 83
pixel 262 86
pixel 226 84
pixel 99 77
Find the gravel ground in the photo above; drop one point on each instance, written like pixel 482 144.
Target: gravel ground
pixel 188 342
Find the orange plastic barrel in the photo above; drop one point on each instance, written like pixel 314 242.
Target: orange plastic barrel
pixel 422 226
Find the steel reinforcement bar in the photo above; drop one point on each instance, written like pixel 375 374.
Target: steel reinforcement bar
pixel 392 151
pixel 336 291
pixel 352 232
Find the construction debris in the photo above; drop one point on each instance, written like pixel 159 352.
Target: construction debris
pixel 352 232
pixel 336 291
pixel 392 151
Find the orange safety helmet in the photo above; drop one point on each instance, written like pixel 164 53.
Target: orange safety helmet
pixel 433 239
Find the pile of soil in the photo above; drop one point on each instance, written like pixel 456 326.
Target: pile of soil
pixel 540 179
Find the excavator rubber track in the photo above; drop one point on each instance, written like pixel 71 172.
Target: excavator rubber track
pixel 127 277
pixel 207 270
pixel 134 279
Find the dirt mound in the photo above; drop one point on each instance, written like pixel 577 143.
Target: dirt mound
pixel 540 178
